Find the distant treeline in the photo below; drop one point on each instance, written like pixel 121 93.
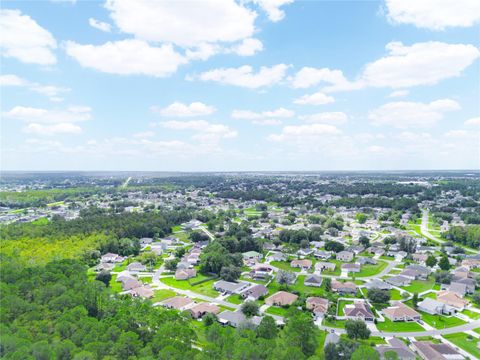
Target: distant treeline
pixel 468 235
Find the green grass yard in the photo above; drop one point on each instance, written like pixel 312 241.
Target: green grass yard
pixel 284 266
pixel 418 286
pixel 395 295
pixel 275 310
pixel 471 314
pixel 464 342
pixel 162 294
pixel 203 288
pixel 399 326
pixel 440 321
pixel 371 270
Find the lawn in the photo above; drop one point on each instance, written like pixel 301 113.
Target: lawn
pixel 337 270
pixel 334 323
pixel 234 299
pixel 176 228
pixel 463 342
pixel 145 279
pixel 477 330
pixel 419 286
pixel 114 285
pixel 341 306
pixel 370 270
pixel 284 266
pixel 275 310
pixel 471 314
pixel 120 267
pixel 440 321
pixel 395 294
pixel 182 236
pixel 399 326
pixel 203 288
pixel 162 294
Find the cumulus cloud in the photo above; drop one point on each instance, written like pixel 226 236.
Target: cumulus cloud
pixel 244 76
pixel 272 8
pixel 54 129
pixel 398 93
pixel 46 116
pixel 473 121
pixel 51 91
pixel 309 76
pixel 404 114
pixel 434 14
pixel 178 109
pixel 248 47
pixel 334 118
pixel 99 25
pixel 127 57
pixel 251 115
pixel 204 130
pixel 317 98
pixel 23 39
pixel 304 132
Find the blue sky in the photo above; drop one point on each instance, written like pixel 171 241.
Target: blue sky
pixel 250 85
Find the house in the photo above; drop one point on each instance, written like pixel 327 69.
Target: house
pixel 254 292
pixel 304 252
pixel 261 271
pixel 471 263
pixel 202 309
pixel 459 288
pixel 227 287
pixel 313 280
pixel 281 298
pixel 397 346
pixel 145 292
pixel 398 280
pixel 345 256
pixel 146 241
pixel 420 258
pixel 276 256
pixel 235 318
pixel 136 267
pixel 129 283
pixel 111 258
pixel 430 351
pixel 304 264
pixel 317 305
pixel 252 256
pixel 434 307
pixel 356 249
pixel 322 254
pixel 178 303
pixel 322 265
pixel 359 310
pixel 411 274
pixel 184 265
pixel 423 271
pixel 317 244
pixel 401 312
pixel 378 284
pixel 363 260
pixel 344 288
pixel 469 284
pixel 184 274
pixel 452 299
pixel 355 268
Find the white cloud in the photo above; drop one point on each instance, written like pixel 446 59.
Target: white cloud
pixel 186 26
pixel 309 76
pixel 434 14
pixel 473 121
pixel 202 51
pixel 251 115
pixel 461 134
pixel 204 130
pixel 45 116
pixel 127 57
pixel 405 114
pixel 317 98
pixel 178 109
pixel 248 47
pixel 304 132
pixel 53 92
pixel 376 149
pixel 60 128
pixel 100 25
pixel 419 64
pixel 272 8
pixel 23 39
pixel 334 118
pixel 144 135
pixel 244 76
pixel 399 93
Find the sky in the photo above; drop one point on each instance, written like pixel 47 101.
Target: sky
pixel 253 85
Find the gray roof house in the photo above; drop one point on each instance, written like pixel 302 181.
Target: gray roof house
pixel 235 318
pixel 378 284
pixel 432 306
pixel 398 280
pixel 345 256
pixel 254 292
pixel 136 266
pixel 228 287
pixel 397 346
pixel 313 280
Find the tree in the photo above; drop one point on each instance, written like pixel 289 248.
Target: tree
pixel 230 273
pixel 334 246
pixel 443 277
pixel 476 297
pixel 361 218
pixel 209 319
pixel 331 352
pixel 171 265
pixel 357 329
pixel 249 308
pixel 415 300
pixel 444 264
pixel 301 332
pixel 364 240
pixel 267 328
pixel 378 296
pixel 365 352
pixel 104 276
pixel 285 277
pixel 328 284
pixel 431 261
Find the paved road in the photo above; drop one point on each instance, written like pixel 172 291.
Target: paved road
pixel 209 234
